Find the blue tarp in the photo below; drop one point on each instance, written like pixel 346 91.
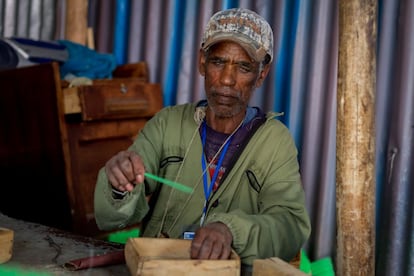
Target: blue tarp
pixel 85 62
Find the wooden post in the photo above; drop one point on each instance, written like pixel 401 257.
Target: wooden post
pixel 355 163
pixel 76 21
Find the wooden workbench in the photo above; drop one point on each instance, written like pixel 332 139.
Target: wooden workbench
pixel 42 249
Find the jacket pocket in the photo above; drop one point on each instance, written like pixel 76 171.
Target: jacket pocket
pixel 253 182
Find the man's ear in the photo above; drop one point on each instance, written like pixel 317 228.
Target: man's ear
pixel 262 76
pixel 202 62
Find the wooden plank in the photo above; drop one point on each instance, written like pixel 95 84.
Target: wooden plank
pixel 274 266
pixel 355 162
pixel 76 21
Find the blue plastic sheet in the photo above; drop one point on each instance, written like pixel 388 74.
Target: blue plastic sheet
pixel 85 62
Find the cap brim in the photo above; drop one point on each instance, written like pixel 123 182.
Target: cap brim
pixel 246 45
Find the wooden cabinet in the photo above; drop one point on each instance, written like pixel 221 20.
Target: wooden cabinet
pixel 56 138
pixel 32 166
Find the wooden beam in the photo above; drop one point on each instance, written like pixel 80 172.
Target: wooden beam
pixel 77 21
pixel 355 193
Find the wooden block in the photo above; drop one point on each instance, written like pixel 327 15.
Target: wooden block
pixel 274 267
pixel 6 244
pixel 158 256
pixel 71 100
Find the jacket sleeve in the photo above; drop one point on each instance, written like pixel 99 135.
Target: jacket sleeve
pixel 281 226
pixel 113 213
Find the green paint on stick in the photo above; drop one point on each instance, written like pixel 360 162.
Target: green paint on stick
pixel 170 183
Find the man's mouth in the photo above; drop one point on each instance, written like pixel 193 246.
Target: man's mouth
pixel 224 98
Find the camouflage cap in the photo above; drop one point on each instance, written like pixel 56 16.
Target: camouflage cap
pixel 244 27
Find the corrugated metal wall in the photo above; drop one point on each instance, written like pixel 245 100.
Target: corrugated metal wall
pixel 28 18
pixel 302 84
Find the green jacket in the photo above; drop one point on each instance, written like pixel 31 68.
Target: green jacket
pixel 261 200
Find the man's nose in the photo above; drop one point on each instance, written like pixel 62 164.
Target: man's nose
pixel 228 75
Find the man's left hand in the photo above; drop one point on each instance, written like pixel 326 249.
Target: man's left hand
pixel 212 241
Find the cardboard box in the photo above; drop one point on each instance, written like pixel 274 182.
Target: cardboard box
pixel 158 256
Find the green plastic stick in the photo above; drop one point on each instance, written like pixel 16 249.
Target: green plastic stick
pixel 170 183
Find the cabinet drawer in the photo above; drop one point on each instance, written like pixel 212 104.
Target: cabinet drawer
pixel 114 99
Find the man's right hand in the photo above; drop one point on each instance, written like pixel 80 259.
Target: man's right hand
pixel 125 170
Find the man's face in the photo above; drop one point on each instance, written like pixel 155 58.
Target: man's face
pixel 231 76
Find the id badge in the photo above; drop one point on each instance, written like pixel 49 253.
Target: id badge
pixel 188 235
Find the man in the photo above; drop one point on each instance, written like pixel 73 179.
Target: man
pixel 241 163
